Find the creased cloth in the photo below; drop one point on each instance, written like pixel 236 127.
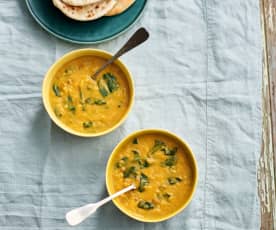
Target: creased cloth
pixel 199 76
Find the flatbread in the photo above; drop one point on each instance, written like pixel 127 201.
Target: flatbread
pixel 120 7
pixel 85 13
pixel 80 2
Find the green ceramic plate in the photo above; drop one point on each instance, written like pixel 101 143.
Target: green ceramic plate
pixel 103 29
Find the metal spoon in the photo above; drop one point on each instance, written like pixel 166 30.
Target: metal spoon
pixel 136 39
pixel 78 215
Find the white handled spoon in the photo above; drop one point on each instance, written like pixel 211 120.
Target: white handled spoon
pixel 78 215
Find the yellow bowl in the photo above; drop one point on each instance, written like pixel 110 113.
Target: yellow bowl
pixel 120 146
pixel 67 58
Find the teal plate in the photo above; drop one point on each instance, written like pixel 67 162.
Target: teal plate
pixel 103 29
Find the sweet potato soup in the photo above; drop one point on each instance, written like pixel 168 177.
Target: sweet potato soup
pixel 87 105
pixel 161 170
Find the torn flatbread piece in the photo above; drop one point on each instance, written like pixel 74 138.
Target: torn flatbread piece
pixel 120 7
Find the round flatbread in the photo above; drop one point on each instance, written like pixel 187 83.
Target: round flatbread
pixel 80 2
pixel 85 13
pixel 120 7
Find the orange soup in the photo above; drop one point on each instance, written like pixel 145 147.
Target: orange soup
pixel 84 104
pixel 162 171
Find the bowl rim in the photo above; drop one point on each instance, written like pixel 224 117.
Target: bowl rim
pixel 77 53
pixel 144 132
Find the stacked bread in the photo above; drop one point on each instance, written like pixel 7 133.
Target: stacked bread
pixel 88 10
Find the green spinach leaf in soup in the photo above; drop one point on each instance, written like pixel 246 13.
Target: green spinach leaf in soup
pixel 56 90
pixel 144 180
pixel 158 145
pixel 145 205
pixel 107 84
pixel 87 124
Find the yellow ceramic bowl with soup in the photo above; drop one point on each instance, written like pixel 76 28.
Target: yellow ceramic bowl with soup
pixel 81 105
pixel 163 168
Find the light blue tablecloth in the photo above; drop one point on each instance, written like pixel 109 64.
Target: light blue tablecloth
pixel 199 76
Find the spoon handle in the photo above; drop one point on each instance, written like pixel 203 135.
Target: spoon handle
pixel 102 202
pixel 78 215
pixel 136 39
